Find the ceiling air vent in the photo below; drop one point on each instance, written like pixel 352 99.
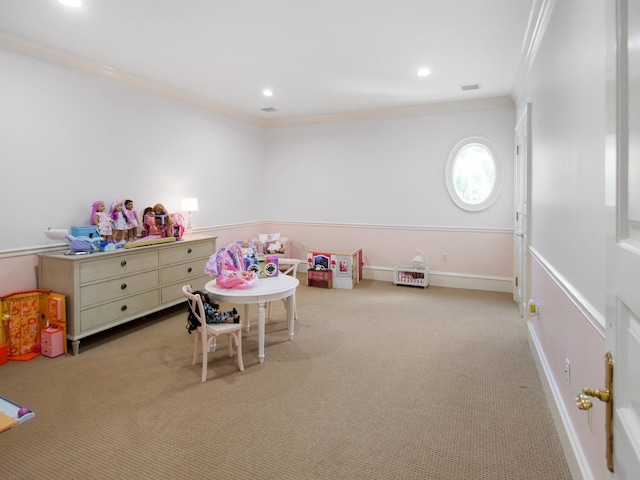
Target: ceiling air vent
pixel 475 86
pixel 269 109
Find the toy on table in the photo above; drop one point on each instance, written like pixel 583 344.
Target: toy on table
pixel 228 266
pixel 101 219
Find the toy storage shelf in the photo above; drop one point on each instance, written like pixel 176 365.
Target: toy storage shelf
pixel 410 275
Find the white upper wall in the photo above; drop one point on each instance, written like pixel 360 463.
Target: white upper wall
pixel 68 138
pixel 566 88
pixel 383 171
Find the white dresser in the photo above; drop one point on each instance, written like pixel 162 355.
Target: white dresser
pixel 105 289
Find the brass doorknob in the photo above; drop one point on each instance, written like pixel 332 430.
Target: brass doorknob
pixel 584 402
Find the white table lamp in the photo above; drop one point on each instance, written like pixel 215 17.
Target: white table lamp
pixel 189 205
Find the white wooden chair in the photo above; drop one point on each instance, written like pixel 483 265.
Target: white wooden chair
pixel 287 266
pixel 206 334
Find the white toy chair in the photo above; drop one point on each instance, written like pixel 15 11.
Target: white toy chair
pixel 206 334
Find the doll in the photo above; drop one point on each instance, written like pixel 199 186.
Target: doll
pixel 119 218
pixel 212 313
pixel 149 222
pixel 132 220
pixel 100 219
pixel 158 209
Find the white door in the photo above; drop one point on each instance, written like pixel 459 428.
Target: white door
pixel 520 241
pixel 623 239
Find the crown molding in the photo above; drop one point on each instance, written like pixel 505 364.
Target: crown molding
pixel 538 20
pixel 58 57
pixel 87 66
pixel 395 112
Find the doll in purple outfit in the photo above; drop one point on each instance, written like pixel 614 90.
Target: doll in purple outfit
pixel 100 219
pixel 119 218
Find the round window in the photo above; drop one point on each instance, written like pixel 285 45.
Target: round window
pixel 474 174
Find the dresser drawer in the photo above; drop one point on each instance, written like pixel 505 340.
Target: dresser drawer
pixel 182 272
pixel 117 266
pixel 171 293
pixel 118 288
pixel 114 311
pixel 185 252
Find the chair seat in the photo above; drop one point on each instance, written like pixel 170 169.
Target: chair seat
pixel 220 328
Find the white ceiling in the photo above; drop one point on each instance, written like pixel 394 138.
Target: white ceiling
pixel 320 57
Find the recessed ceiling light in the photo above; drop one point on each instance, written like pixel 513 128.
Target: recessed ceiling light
pixel 267 93
pixel 424 72
pixel 71 3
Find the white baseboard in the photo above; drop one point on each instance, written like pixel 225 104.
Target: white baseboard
pixel 441 279
pixel 578 465
pixel 450 280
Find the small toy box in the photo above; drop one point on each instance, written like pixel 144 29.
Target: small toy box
pixel 52 341
pixel 90 231
pixel 266 266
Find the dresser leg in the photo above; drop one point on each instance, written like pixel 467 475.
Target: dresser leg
pixel 75 345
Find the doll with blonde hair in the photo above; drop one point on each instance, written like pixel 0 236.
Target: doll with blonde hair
pixel 158 209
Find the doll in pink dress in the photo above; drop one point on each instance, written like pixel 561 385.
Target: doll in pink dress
pixel 119 218
pixel 132 220
pixel 100 219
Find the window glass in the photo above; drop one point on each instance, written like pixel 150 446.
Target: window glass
pixel 474 174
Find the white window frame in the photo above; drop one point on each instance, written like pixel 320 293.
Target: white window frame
pixel 497 185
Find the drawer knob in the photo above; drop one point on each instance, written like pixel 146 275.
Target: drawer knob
pixel 123 263
pixel 189 250
pixel 123 308
pixel 189 270
pixel 123 286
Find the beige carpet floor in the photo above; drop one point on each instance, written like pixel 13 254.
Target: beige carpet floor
pixel 380 382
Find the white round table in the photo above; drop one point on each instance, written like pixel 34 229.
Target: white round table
pixel 265 290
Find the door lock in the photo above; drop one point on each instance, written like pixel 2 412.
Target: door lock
pixel 583 401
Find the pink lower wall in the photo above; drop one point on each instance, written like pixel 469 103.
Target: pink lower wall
pixel 469 252
pixel 564 330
